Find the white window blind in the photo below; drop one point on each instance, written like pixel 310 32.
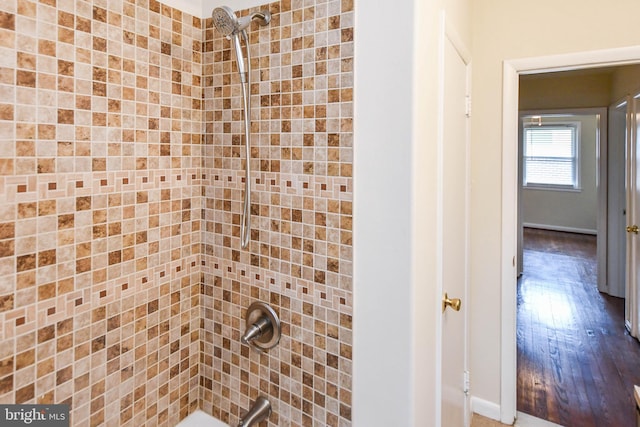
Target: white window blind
pixel 551 156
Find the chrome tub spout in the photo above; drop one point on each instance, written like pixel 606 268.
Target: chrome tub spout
pixel 260 411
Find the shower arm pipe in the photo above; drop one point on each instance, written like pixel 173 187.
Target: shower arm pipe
pixel 245 77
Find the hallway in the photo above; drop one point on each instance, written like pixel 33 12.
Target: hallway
pixel 576 362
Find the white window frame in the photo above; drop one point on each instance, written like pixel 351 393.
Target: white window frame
pixel 577 158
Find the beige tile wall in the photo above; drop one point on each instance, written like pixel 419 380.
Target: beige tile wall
pixel 300 257
pixel 100 208
pixel 122 286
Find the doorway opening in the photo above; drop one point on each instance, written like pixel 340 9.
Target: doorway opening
pixel 566 327
pixel 512 71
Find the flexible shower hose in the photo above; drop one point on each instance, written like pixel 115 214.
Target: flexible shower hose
pixel 245 226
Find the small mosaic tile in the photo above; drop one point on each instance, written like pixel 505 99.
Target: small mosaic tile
pixel 123 287
pixel 100 229
pixel 300 257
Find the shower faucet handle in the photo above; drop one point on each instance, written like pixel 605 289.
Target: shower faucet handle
pixel 263 329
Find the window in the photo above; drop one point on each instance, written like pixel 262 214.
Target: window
pixel 551 155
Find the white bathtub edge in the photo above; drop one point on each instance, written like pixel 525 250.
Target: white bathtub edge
pixel 199 418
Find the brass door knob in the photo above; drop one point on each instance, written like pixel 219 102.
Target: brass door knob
pixel 454 303
pixel 632 229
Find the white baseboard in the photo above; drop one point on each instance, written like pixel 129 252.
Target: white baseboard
pixel 560 228
pixel 492 411
pixel 485 408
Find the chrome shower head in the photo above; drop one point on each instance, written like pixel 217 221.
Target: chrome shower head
pixel 225 20
pixel 228 24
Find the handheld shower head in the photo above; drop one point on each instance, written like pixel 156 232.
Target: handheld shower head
pixel 225 20
pixel 228 24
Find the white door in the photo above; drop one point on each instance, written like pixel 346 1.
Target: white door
pixel 616 201
pixel 454 201
pixel 633 220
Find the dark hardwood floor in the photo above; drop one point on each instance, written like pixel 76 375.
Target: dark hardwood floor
pixel 576 362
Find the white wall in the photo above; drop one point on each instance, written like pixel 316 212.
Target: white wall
pixel 207 6
pixel 383 138
pixel 203 8
pixel 385 205
pixel 192 7
pixel 395 133
pixel 502 31
pixel 568 210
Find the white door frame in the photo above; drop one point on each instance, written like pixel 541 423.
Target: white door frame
pixel 512 69
pixel 617 238
pixel 631 193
